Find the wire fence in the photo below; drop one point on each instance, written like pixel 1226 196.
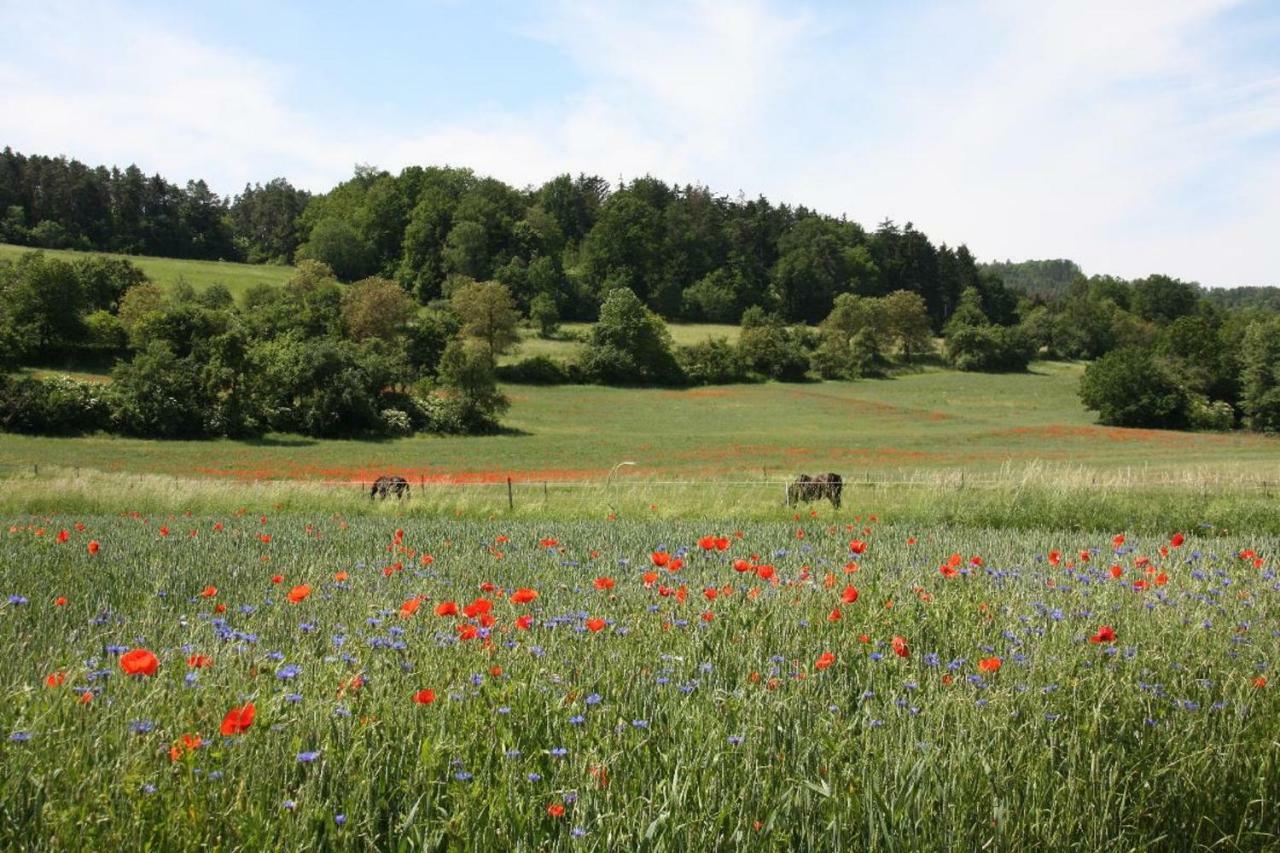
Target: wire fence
pixel 517 485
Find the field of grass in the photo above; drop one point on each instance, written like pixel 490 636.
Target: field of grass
pixel 813 685
pixel 166 272
pixel 931 421
pixel 568 344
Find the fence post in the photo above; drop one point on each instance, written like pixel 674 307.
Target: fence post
pixel 511 500
pixel 35 470
pixel 544 490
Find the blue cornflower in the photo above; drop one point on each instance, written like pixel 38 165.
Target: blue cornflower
pixel 534 777
pixel 577 720
pixel 462 776
pixel 288 805
pixel 735 740
pixel 148 788
pixel 17 600
pixel 288 671
pixel 577 832
pixel 293 698
pixel 141 727
pixel 20 737
pixel 503 709
pixel 640 724
pixel 340 820
pixel 593 699
pixel 513 753
pixel 308 757
pixel 559 752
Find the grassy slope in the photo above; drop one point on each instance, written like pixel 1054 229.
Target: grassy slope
pixel 166 271
pixel 931 421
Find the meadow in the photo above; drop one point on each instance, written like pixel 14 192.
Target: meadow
pixel 835 682
pixel 167 272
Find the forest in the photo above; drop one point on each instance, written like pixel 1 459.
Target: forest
pixel 408 287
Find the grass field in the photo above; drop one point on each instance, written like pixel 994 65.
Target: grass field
pixel 166 272
pixel 792 691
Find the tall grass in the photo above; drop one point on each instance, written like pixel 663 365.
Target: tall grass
pixel 1065 498
pixel 678 732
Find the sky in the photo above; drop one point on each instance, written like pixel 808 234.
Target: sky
pixel 1133 137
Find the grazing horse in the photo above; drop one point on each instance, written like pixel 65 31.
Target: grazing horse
pixel 385 484
pixel 806 489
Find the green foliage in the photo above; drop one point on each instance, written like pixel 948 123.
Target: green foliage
pixel 157 395
pixel 487 313
pixel 467 371
pixel 337 245
pixel 376 308
pixel 1260 377
pixel 712 362
pixel 58 406
pixel 1161 299
pixel 544 314
pixel 998 349
pixel 316 386
pixel 536 370
pixel 629 345
pixel 1049 279
pixel 1130 387
pixel 771 349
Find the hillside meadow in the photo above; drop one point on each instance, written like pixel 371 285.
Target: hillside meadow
pixel 167 272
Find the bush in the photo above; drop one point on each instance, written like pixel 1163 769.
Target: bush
pixel 1216 415
pixel 537 370
pixel 772 350
pixel 157 395
pixel 59 406
pixel 713 362
pixel 1131 388
pixel 396 422
pixel 629 345
pixel 996 349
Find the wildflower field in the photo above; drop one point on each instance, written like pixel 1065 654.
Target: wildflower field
pixel 253 682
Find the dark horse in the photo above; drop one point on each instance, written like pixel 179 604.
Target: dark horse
pixel 807 488
pixel 385 485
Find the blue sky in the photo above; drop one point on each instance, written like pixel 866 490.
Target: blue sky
pixel 1134 137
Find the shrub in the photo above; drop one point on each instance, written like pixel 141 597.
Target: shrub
pixel 60 406
pixel 396 422
pixel 772 350
pixel 994 349
pixel 1129 387
pixel 536 370
pixel 629 345
pixel 712 362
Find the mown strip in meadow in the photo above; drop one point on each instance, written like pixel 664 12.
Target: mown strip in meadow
pixel 613 685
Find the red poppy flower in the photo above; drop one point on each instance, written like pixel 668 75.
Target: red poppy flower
pixel 63 535
pixel 426 559
pixel 707 543
pixel 139 662
pixel 548 542
pixel 595 624
pixel 708 616
pixel 447 608
pixel 277 579
pixel 299 593
pixel 199 661
pixel 899 645
pixel 824 660
pixel 55 679
pixel 487 620
pixel 710 593
pixel 477 607
pixel 410 607
pixel 60 601
pixel 850 594
pixel 948 571
pixel 741 565
pixel 1260 682
pixel 1106 634
pixel 1055 557
pixel 555 810
pixel 1116 571
pixel 467 631
pixel 1177 540
pixel 857 546
pixel 650 578
pixel 1117 540
pixel 524 623
pixel 209 592
pixel 991 664
pixel 834 615
pixel 765 572
pixel 604 583
pixel 94 547
pixel 217 527
pixel 238 720
pixel 675 565
pixel 424 697
pixel 219 608
pixel 659 558
pixel 523 596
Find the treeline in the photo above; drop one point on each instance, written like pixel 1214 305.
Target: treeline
pixel 1164 353
pixel 688 253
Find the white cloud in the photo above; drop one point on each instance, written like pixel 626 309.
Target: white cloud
pixel 1121 135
